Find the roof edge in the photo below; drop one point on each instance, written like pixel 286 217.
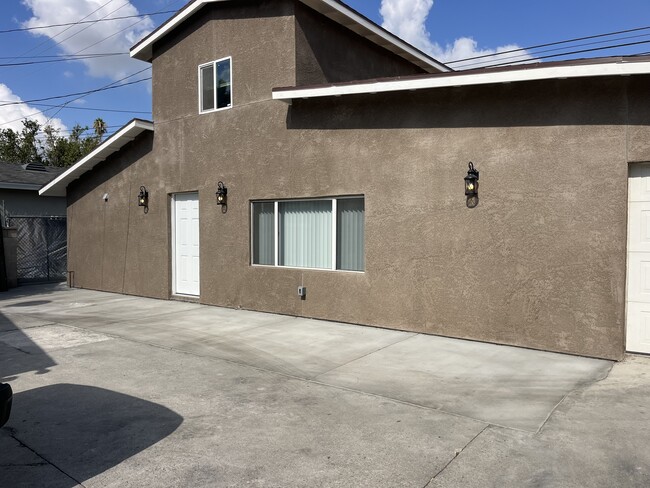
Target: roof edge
pixel 564 70
pixel 57 187
pixel 143 49
pixel 19 186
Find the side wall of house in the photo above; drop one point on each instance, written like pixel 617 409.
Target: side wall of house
pixel 539 263
pixel 112 244
pixel 330 53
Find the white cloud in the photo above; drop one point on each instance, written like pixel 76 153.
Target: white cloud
pixel 115 36
pixel 11 116
pixel 407 20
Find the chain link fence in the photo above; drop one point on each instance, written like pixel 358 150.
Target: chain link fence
pixel 42 248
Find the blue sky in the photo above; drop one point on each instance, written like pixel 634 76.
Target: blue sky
pixel 448 29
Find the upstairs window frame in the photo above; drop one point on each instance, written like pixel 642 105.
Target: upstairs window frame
pixel 214 106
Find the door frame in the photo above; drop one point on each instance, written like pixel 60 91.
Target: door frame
pixel 172 200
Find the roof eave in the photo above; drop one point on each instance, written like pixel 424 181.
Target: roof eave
pixel 8 185
pixel 58 186
pixel 143 50
pixel 459 79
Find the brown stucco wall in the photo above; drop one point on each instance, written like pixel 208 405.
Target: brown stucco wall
pixel 329 53
pixel 539 263
pixel 113 245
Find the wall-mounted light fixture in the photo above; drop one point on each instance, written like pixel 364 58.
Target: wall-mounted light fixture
pixel 222 194
pixel 471 186
pixel 143 198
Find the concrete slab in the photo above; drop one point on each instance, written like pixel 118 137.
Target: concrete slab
pixel 157 404
pixel 49 338
pixel 507 386
pixel 164 418
pixel 598 437
pixel 13 321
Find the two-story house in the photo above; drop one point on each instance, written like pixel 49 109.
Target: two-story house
pixel 297 146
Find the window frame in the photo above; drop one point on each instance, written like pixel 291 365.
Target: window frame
pixel 214 74
pixel 276 232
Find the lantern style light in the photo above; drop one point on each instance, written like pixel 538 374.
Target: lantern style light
pixel 222 194
pixel 471 181
pixel 143 197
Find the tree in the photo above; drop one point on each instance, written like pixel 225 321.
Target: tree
pixel 21 147
pixel 50 148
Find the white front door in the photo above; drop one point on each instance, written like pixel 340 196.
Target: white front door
pixel 186 243
pixel 638 259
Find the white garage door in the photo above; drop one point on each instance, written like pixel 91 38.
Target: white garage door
pixel 638 259
pixel 186 243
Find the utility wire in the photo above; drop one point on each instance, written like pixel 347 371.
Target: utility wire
pixel 80 57
pixel 73 94
pixel 122 17
pixel 534 55
pixel 86 27
pixel 566 54
pixel 82 94
pixel 551 44
pixel 94 109
pixel 64 30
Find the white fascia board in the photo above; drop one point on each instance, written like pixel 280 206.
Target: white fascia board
pixel 57 187
pixel 376 31
pixel 470 79
pixel 5 185
pixel 143 49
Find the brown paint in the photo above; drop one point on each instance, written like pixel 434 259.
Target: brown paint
pixel 539 263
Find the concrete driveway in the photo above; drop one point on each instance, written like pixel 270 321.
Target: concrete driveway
pixel 114 390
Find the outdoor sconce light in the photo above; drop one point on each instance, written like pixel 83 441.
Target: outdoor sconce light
pixel 143 198
pixel 471 186
pixel 222 194
pixel 471 181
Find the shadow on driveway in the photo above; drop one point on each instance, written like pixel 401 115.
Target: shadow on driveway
pixel 84 430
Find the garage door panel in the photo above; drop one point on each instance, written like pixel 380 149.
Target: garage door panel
pixel 639 277
pixel 639 227
pixel 638 330
pixel 638 260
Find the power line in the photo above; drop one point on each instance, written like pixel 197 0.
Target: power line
pixel 93 109
pixel 88 92
pixel 23 29
pixel 535 55
pixel 80 57
pixel 568 53
pixel 551 44
pixel 110 85
pixel 67 28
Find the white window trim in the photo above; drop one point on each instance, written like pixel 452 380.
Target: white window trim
pixel 214 71
pixel 276 232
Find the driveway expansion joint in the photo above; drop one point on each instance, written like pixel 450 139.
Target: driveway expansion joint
pixel 581 387
pixel 456 455
pixel 13 435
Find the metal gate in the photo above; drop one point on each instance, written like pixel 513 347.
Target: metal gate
pixel 42 248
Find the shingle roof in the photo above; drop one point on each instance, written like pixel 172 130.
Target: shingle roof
pixel 17 177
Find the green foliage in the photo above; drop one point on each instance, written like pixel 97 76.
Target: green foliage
pixel 52 149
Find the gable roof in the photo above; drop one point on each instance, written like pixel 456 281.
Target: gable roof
pixel 333 9
pixel 20 177
pixel 57 187
pixel 585 68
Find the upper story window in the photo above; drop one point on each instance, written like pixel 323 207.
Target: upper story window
pixel 215 81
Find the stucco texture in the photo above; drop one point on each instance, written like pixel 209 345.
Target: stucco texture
pixel 539 263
